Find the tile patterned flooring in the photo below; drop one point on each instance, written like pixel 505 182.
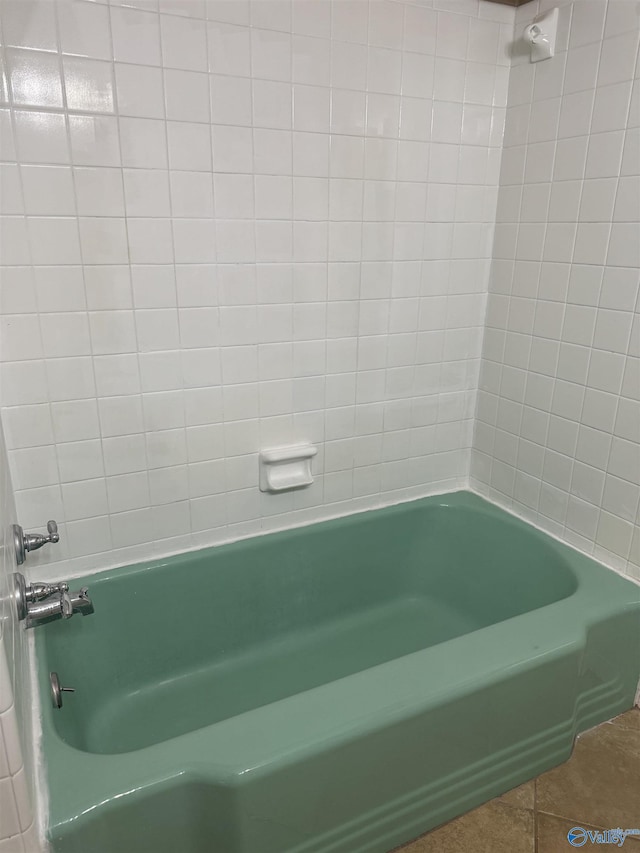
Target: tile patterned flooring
pixel 597 788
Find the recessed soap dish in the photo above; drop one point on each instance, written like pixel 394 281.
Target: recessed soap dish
pixel 284 468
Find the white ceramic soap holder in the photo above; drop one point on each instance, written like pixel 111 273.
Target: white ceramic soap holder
pixel 285 468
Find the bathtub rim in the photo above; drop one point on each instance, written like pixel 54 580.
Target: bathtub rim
pixel 460 500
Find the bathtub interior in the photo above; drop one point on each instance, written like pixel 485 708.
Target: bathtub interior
pixel 183 643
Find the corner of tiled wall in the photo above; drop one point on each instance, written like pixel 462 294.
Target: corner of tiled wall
pixel 18 828
pixel 557 435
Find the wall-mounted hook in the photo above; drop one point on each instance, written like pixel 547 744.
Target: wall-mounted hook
pixel 541 34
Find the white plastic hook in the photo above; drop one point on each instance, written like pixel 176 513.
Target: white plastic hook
pixel 535 35
pixel 541 34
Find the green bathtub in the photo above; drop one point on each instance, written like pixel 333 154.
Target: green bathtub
pixel 338 688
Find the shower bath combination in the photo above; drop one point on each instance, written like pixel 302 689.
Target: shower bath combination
pixel 320 339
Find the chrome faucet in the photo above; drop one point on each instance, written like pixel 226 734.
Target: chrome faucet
pixel 38 603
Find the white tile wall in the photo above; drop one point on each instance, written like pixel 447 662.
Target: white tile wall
pixel 558 429
pixel 234 225
pixel 18 832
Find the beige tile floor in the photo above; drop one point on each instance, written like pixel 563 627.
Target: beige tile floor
pixel 597 788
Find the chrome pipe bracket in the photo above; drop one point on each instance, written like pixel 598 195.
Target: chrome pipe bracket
pixel 20 595
pixel 18 543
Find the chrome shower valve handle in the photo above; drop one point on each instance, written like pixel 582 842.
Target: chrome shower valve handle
pixel 27 542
